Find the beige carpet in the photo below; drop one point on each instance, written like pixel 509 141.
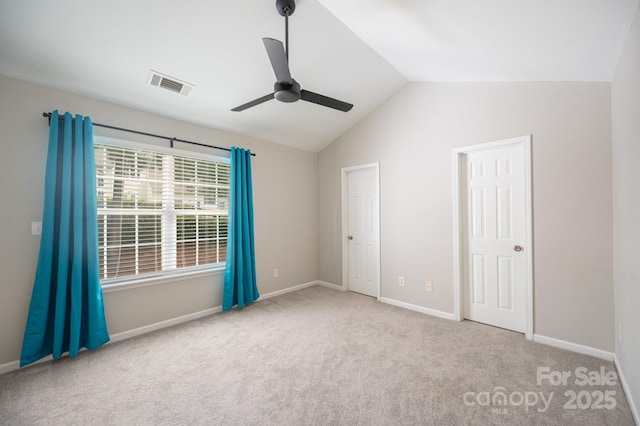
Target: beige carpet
pixel 316 356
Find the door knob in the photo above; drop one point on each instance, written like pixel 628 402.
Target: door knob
pixel 517 248
pixel 350 237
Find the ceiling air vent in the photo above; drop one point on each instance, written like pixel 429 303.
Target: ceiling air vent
pixel 164 81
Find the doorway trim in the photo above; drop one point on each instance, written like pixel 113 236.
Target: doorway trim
pixel 345 222
pixel 458 215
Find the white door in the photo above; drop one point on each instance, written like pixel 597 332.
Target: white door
pixel 496 271
pixel 362 230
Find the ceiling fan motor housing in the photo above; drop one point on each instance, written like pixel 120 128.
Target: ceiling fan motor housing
pixel 286 7
pixel 286 92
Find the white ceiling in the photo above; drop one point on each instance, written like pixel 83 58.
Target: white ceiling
pixel 493 40
pixel 359 51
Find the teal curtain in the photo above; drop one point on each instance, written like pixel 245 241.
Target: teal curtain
pixel 240 275
pixel 66 311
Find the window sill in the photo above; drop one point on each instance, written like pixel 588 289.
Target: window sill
pixel 162 279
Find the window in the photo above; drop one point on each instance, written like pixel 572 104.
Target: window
pixel 159 212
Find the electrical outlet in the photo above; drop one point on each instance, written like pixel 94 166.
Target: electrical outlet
pixel 428 287
pixel 276 273
pixel 36 228
pixel 401 281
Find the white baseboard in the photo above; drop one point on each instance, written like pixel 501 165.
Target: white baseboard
pixel 162 324
pixel 15 365
pixel 421 309
pixel 117 337
pixel 9 366
pixel 196 315
pixel 573 347
pixel 627 391
pixel 287 290
pixel 329 285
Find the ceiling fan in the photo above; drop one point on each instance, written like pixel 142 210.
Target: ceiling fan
pixel 286 89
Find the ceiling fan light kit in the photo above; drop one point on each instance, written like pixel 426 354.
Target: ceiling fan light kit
pixel 286 89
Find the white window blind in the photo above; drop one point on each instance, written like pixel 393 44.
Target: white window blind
pixel 159 213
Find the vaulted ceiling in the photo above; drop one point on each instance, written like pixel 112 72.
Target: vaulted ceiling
pixel 359 51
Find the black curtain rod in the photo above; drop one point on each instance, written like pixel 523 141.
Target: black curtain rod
pixel 122 129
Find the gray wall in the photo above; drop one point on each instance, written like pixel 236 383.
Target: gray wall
pixel 285 198
pixel 297 200
pixel 412 136
pixel 625 105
